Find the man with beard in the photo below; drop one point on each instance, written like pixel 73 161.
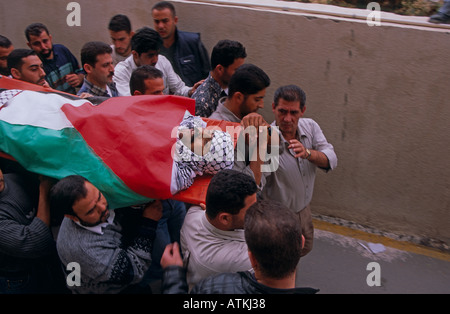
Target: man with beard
pixel 120 31
pixel 112 247
pixel 246 93
pixel 25 65
pixel 226 57
pixel 184 50
pixel 98 63
pixel 5 49
pixel 61 67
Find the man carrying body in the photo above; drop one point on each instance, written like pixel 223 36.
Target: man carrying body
pixel 212 241
pixel 25 65
pixel 247 90
pixel 147 80
pixel 112 257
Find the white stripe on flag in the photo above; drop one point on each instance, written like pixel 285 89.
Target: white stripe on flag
pixel 38 109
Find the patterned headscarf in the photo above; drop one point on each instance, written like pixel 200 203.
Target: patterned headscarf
pixel 189 165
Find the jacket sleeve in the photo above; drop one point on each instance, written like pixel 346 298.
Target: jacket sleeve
pixel 174 281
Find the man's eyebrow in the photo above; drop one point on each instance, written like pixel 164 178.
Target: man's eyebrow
pixel 98 199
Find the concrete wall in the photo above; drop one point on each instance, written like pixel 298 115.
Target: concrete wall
pixel 381 95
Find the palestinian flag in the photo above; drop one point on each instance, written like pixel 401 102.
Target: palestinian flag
pixel 122 145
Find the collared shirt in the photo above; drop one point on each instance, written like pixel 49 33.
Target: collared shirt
pixel 209 250
pixel 99 228
pixel 223 113
pixel 172 82
pixel 207 97
pixel 63 63
pixel 88 87
pixel 293 182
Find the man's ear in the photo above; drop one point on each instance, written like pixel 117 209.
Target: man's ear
pixel 87 68
pixel 137 93
pixel 15 74
pixel 252 259
pixel 225 219
pixel 74 218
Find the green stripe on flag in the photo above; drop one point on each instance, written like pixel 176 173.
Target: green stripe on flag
pixel 59 153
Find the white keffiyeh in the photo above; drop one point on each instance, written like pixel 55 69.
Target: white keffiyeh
pixel 188 164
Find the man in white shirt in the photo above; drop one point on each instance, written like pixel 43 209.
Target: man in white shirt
pixel 145 46
pixel 212 240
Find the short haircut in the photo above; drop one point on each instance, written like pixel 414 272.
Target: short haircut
pixel 225 52
pixel 248 79
pixel 164 5
pixel 5 42
pixel 142 73
pixel 146 39
pixel 35 29
pixel 273 235
pixel 290 93
pixel 91 50
pixel 65 193
pixel 15 58
pixel 227 191
pixel 119 23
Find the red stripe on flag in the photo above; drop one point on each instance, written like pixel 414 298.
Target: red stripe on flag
pixel 132 135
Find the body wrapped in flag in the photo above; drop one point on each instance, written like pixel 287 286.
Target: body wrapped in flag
pixel 124 145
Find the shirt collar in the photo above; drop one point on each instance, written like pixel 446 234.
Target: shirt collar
pixel 99 228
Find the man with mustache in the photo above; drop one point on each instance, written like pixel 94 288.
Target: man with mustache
pixel 111 246
pixel 303 149
pixel 25 65
pixel 61 67
pixel 99 66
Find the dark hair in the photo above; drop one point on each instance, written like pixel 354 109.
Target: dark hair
pixel 142 73
pixel 65 193
pixel 227 191
pixel 165 5
pixel 226 51
pixel 248 79
pixel 15 58
pixel 91 50
pixel 273 235
pixel 119 23
pixel 35 29
pixel 5 42
pixel 290 93
pixel 146 39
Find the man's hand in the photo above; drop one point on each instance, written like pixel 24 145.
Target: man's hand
pixel 74 80
pixel 171 256
pixel 194 88
pixel 298 148
pixel 153 210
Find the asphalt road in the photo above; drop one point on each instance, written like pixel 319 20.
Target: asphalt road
pixel 339 264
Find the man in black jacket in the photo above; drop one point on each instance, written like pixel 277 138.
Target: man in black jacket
pixel 274 240
pixel 185 50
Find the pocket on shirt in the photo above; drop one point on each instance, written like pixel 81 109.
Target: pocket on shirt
pixel 188 65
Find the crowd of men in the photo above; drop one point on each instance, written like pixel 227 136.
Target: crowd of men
pixel 249 235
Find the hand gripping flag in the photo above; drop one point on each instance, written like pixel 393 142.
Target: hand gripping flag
pixel 123 145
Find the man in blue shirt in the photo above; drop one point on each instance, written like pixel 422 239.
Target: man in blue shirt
pixel 60 65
